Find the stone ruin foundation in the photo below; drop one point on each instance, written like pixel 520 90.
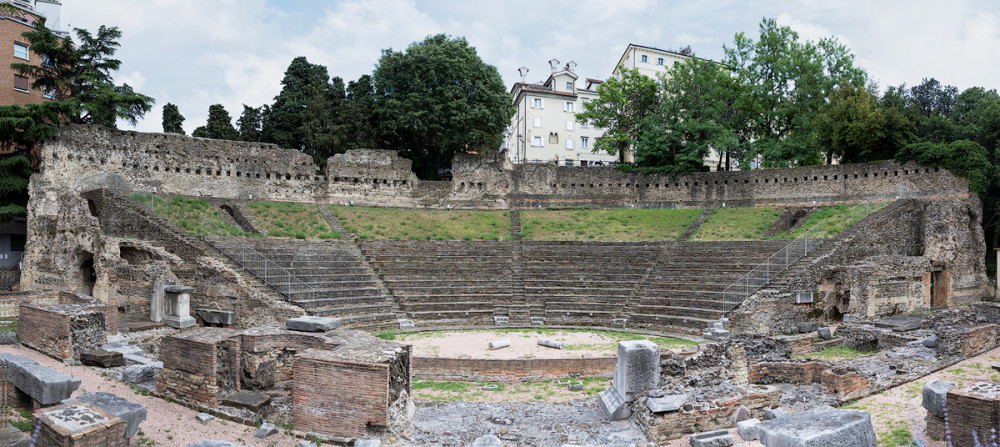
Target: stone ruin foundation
pixel 970 415
pixel 62 325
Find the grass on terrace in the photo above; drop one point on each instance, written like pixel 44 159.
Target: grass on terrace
pixel 388 223
pixel 292 220
pixel 834 218
pixel 606 224
pixel 190 214
pixel 737 224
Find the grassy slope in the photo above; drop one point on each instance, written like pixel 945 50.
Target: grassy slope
pixel 388 223
pixel 292 220
pixel 189 214
pixel 606 225
pixel 835 219
pixel 737 224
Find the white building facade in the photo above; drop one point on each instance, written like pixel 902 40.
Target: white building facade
pixel 544 127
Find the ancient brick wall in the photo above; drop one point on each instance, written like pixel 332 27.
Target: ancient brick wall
pixel 702 416
pixel 191 365
pixel 337 397
pixel 972 415
pixel 968 342
pixel 515 370
pixel 842 381
pixel 45 331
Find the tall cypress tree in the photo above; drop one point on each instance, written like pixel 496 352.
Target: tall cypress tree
pixel 219 125
pixel 172 119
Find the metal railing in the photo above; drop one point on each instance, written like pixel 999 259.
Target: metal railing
pixel 809 241
pixel 256 263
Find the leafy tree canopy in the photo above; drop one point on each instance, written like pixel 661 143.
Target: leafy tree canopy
pixel 621 107
pixel 172 119
pixel 21 130
pixel 82 75
pixel 438 98
pixel 219 125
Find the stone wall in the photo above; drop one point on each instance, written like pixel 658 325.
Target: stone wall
pixel 972 414
pixel 884 265
pixel 62 325
pixel 514 370
pixel 661 427
pixel 334 397
pixel 844 382
pixel 177 164
pixel 191 366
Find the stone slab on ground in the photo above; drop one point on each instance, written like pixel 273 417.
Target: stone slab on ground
pixel 663 404
pixel 203 417
pixel 140 373
pixel 247 399
pixel 901 323
pixel 995 366
pixel 487 441
pixel 717 438
pixel 771 414
pixel 312 323
pixel 368 443
pixel 266 429
pixel 45 385
pixel 211 443
pixel 124 348
pixel 613 404
pixel 807 326
pixel 819 427
pixel 102 358
pixel 133 413
pixel 935 396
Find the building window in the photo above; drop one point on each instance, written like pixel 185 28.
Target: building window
pixel 659 61
pixel 536 141
pixel 553 138
pixel 20 51
pixel 21 83
pixel 584 125
pixel 538 121
pixel 584 142
pixel 569 107
pixel 47 61
pixel 569 124
pixel 644 58
pixel 569 143
pixel 48 94
pixel 537 103
pixel 569 86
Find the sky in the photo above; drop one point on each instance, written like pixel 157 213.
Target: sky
pixel 195 53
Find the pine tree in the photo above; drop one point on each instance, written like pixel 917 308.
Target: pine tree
pixel 219 125
pixel 172 119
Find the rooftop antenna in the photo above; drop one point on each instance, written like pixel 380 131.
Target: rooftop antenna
pixel 523 71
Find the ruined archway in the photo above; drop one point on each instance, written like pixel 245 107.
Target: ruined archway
pixel 87 273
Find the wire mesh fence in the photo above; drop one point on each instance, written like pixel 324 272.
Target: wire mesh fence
pixel 255 262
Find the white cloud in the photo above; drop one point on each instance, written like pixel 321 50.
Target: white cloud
pixel 134 79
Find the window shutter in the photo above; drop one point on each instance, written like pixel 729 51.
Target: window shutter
pixel 20 83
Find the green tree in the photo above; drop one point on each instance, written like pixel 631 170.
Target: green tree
pixel 21 131
pixel 853 127
pixel 438 98
pixel 693 118
pixel 172 119
pixel 249 123
pixel 300 86
pixel 82 75
pixel 784 83
pixel 621 107
pixel 358 115
pixel 323 129
pixel 219 125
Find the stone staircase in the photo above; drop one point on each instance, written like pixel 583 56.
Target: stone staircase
pixel 683 292
pixel 326 278
pixel 449 283
pixel 689 232
pixel 584 283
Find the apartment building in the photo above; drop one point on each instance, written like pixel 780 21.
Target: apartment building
pixel 544 127
pixel 16 89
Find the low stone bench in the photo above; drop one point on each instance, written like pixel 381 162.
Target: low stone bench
pixel 44 385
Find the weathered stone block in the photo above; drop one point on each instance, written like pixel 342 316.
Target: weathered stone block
pixel 935 396
pixel 179 322
pixel 747 429
pixel 672 402
pixel 613 404
pixel 133 413
pixel 773 413
pixel 819 427
pixel 102 358
pixel 8 338
pixel 156 300
pixel 741 414
pixel 807 326
pixel 213 443
pixel 930 342
pixel 204 417
pixel 46 386
pixel 487 441
pixel 310 323
pixel 368 443
pixel 266 429
pixel 717 438
pixel 140 373
pixel 825 333
pixel 215 316
pixel 247 399
pixel 637 369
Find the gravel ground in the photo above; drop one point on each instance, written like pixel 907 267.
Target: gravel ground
pixel 476 344
pixel 166 424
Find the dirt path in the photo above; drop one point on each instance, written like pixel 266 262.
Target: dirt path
pixel 167 424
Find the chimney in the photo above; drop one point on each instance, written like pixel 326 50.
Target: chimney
pixel 571 67
pixel 524 74
pixel 554 63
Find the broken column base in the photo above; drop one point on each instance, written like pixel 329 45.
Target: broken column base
pixel 819 427
pixel 613 404
pixel 179 322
